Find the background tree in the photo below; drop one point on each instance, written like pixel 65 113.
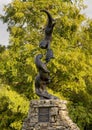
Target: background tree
pixel 70 70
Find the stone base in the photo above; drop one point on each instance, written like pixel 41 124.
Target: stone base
pixel 48 115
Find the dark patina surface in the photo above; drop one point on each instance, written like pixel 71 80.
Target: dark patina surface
pixel 43 77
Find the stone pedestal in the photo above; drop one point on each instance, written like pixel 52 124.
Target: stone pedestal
pixel 48 115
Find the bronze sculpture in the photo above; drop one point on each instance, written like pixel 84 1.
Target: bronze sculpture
pixel 45 43
pixel 43 77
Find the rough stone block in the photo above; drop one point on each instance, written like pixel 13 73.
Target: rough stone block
pixel 57 112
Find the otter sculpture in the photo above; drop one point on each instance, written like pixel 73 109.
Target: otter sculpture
pixel 45 43
pixel 43 77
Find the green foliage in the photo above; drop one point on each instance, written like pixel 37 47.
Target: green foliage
pixel 71 70
pixel 13 107
pixel 79 113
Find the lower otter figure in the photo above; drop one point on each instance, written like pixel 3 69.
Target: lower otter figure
pixel 40 65
pixel 42 79
pixel 40 89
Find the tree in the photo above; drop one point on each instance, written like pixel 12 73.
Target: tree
pixel 70 70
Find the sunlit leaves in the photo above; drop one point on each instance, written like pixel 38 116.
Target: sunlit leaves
pixel 70 70
pixel 13 107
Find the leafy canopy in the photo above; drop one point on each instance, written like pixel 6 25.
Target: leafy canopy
pixel 71 70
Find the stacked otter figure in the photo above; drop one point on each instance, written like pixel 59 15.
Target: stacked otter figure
pixel 43 77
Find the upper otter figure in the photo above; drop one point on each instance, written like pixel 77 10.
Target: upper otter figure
pixel 45 43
